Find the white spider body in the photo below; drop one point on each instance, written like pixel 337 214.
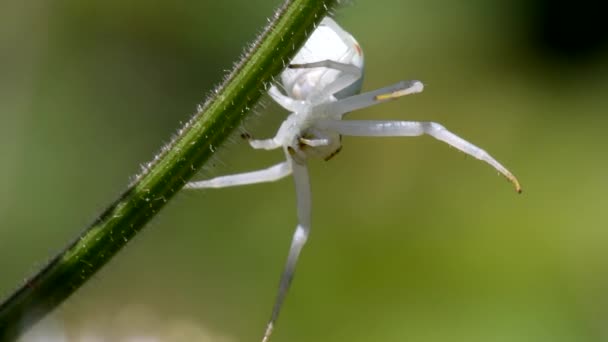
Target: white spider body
pixel 329 42
pixel 322 85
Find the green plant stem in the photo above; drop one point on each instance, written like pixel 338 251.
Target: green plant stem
pixel 167 173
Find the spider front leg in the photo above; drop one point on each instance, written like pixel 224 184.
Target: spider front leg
pixel 270 174
pixel 328 63
pixel 264 144
pixel 300 174
pixel 415 128
pixel 261 144
pixel 284 100
pixel 368 99
pixel 349 75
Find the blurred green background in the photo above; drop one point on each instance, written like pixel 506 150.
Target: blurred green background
pixel 411 241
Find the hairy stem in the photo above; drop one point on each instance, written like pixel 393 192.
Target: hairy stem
pixel 167 173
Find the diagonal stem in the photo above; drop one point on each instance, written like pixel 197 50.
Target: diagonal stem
pixel 168 172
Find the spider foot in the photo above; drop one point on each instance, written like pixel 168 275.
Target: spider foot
pixel 268 332
pixel 515 183
pixel 407 89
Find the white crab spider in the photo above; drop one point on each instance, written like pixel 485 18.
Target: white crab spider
pixel 322 84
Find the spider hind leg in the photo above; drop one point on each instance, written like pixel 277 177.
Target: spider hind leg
pixel 300 175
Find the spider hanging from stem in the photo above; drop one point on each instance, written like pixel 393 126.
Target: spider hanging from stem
pixel 322 84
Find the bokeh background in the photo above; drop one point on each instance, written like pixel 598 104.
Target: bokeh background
pixel 411 241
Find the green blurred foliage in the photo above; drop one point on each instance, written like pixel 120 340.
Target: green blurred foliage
pixel 411 240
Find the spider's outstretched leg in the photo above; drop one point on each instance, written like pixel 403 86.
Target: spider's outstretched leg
pixel 415 128
pixel 375 97
pixel 270 174
pixel 300 174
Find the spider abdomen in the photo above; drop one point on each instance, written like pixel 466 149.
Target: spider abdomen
pixel 329 42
